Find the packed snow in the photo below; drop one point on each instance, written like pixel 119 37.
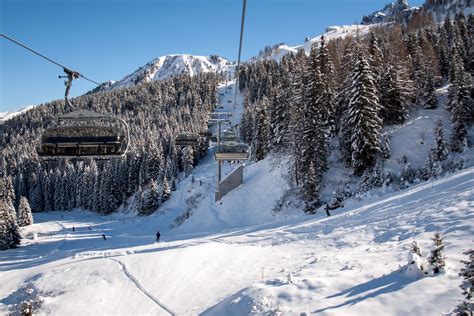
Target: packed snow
pixel 346 264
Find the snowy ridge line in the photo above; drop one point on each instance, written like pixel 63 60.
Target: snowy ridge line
pixel 137 283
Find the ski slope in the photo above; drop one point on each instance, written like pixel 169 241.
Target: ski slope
pixel 346 264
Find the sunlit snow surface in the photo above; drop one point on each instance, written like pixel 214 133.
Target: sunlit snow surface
pixel 346 264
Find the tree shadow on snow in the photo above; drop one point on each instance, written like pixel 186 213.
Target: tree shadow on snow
pixel 382 285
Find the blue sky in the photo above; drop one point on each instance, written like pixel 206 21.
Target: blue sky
pixel 108 39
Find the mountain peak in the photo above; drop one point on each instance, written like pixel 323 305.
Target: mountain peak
pixel 167 66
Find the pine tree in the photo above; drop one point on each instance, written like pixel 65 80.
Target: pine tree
pixel 280 109
pixel 437 258
pixel 428 98
pixel 246 123
pixel 151 199
pixel 314 133
pixel 138 200
pixel 187 159
pixel 434 163
pixel 8 189
pixel 327 97
pixel 9 231
pixel 165 190
pixel 440 152
pixel 460 104
pixel 311 186
pixel 25 217
pixel 466 308
pixel 395 96
pixel 362 125
pixel 260 138
pixel 296 126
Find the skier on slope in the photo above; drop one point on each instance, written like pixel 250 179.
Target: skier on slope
pixel 158 235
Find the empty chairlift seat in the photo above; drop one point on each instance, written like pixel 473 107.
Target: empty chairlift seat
pixel 232 151
pixel 186 139
pixel 76 141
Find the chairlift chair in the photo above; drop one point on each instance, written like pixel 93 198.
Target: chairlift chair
pixel 77 140
pixel 186 139
pixel 232 151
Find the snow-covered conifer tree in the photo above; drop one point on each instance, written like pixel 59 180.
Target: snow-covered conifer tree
pixel 165 190
pixel 9 231
pixel 395 95
pixel 362 124
pixel 461 105
pixel 428 98
pixel 434 164
pixel 151 199
pixel 466 308
pixel 25 217
pixel 440 152
pixel 260 139
pixel 437 258
pixel 187 159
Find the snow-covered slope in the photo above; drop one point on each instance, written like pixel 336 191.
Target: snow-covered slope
pixel 168 66
pixel 346 264
pixel 332 32
pixel 10 114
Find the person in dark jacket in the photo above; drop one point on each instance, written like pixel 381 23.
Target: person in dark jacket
pixel 327 210
pixel 158 235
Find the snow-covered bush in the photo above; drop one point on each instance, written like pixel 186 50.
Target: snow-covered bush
pixel 417 266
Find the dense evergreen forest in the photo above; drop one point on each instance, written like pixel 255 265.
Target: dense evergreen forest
pixel 155 112
pixel 347 90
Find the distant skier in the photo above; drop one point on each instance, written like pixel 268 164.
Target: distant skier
pixel 158 235
pixel 327 210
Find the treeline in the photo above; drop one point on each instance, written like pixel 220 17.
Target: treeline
pixel 156 112
pixel 346 90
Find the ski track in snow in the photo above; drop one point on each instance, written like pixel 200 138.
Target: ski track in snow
pixel 140 287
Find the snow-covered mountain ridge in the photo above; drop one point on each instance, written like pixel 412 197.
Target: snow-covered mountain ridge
pixel 10 114
pixel 400 11
pixel 168 66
